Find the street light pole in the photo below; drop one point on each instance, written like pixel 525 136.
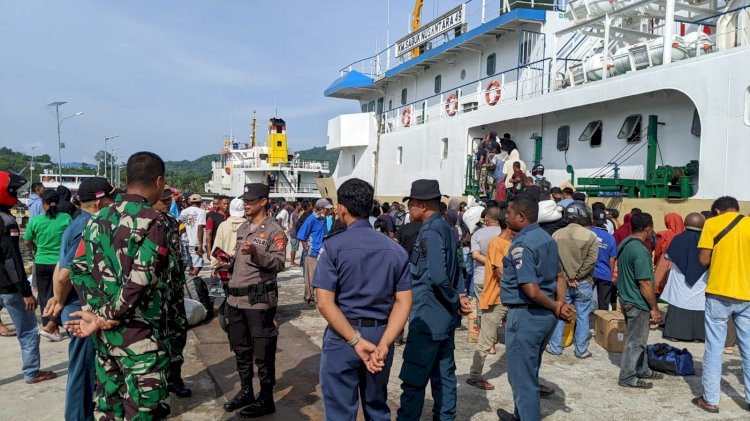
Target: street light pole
pixel 106 159
pixel 57 105
pixel 114 164
pixel 33 148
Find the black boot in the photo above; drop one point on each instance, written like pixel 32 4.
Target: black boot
pixel 177 386
pixel 263 406
pixel 244 398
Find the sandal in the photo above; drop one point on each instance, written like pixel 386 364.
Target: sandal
pixel 546 390
pixel 702 404
pixel 480 384
pixel 639 384
pixel 8 333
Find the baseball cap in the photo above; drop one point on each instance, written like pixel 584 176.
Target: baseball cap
pixel 95 188
pixel 194 198
pixel 166 194
pixel 237 207
pixel 255 191
pixel 323 204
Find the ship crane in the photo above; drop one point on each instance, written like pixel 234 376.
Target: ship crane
pixel 416 18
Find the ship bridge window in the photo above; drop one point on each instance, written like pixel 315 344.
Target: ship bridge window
pixel 438 82
pixel 695 129
pixel 364 107
pixel 403 96
pixel 563 138
pixel 491 61
pixel 592 134
pixel 631 129
pixel 371 107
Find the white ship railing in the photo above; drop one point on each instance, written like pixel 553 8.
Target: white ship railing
pixel 264 165
pixel 304 188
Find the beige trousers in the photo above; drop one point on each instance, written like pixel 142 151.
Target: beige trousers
pixel 491 319
pixel 310 263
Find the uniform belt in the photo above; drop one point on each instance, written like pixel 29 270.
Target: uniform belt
pixel 527 306
pixel 252 289
pixel 367 322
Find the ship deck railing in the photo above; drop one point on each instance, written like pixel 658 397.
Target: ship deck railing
pixel 522 82
pixel 264 165
pixel 477 13
pixel 304 188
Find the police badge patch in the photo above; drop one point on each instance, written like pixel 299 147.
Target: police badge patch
pixel 517 255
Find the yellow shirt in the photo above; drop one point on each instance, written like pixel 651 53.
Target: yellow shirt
pixel 729 273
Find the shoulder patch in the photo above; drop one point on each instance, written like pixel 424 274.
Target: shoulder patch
pixel 14 232
pixel 279 240
pixel 517 257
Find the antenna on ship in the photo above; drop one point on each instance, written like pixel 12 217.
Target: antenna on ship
pixel 252 135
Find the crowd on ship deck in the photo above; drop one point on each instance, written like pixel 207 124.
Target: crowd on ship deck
pixel 115 268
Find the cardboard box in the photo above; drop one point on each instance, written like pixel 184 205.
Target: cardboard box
pixel 611 331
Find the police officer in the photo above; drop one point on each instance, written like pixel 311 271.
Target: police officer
pixel 533 288
pixel 252 300
pixel 436 311
pixel 363 289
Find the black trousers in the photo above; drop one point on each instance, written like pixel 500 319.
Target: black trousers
pixel 45 291
pixel 605 293
pixel 252 336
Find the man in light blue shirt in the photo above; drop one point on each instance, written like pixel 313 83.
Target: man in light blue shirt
pixel 35 199
pixel 311 235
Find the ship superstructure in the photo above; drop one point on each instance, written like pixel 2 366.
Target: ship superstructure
pixel 274 164
pixel 587 88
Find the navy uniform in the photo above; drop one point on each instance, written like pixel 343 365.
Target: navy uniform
pixel 533 258
pixel 428 355
pixel 365 269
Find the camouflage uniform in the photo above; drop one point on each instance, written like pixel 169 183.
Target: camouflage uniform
pixel 121 273
pixel 176 319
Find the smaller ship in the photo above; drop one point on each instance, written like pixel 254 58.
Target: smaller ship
pixel 287 176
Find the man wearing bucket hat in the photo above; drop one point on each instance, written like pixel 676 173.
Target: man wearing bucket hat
pixel 436 310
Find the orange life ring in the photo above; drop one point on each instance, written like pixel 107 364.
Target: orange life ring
pixel 492 87
pixel 451 104
pixel 406 117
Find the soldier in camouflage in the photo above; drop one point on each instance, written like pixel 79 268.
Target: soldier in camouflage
pixel 121 271
pixel 176 320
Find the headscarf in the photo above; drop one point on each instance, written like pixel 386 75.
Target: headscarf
pixel 675 226
pixel 451 217
pixel 683 252
pixel 625 229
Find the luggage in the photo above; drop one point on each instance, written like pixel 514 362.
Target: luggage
pixel 196 289
pixel 670 360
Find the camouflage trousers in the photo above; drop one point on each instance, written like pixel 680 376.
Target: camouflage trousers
pixel 132 387
pixel 175 341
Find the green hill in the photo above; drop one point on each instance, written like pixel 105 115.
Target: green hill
pixel 320 154
pixel 16 161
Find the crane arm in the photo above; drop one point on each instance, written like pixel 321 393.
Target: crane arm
pixel 415 22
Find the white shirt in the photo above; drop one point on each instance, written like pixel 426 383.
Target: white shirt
pixel 283 215
pixel 193 217
pixel 679 294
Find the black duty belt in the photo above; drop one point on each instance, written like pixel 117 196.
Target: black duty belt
pixel 251 290
pixel 367 322
pixel 527 306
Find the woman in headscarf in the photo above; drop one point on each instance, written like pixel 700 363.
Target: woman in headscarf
pixel 686 288
pixel 674 225
pixel 65 204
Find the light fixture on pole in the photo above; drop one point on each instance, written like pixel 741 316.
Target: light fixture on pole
pixel 57 105
pixel 106 158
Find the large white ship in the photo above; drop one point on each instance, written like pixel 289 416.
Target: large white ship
pixel 585 88
pixel 287 176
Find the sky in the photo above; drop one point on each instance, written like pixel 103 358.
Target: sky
pixel 175 77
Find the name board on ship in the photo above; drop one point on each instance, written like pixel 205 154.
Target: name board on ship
pixel 439 26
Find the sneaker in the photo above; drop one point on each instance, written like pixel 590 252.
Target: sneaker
pixel 42 376
pixel 588 354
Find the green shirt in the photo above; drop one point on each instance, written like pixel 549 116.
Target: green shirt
pixel 634 263
pixel 47 233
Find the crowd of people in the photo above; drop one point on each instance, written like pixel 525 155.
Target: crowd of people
pixel 111 270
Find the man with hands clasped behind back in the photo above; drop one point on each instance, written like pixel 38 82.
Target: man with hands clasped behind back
pixel 363 289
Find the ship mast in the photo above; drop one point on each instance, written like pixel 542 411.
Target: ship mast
pixel 252 134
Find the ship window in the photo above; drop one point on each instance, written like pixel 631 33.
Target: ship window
pixel 563 138
pixel 371 107
pixel 463 74
pixel 354 160
pixel 380 106
pixel 438 82
pixel 364 107
pixel 444 148
pixel 695 129
pixel 390 104
pixel 592 133
pixel 403 96
pixel 631 129
pixel 400 155
pixel 278 143
pixel 491 60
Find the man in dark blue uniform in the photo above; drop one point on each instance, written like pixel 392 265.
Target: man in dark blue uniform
pixel 363 289
pixel 436 313
pixel 533 288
